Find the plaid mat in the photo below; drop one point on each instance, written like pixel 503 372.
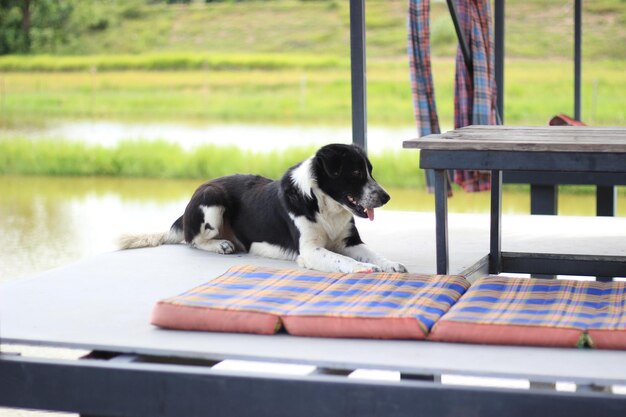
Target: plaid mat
pixel 500 310
pixel 258 299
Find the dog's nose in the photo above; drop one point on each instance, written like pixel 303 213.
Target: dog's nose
pixel 384 197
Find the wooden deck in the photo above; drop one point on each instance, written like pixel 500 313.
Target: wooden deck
pixel 103 304
pixel 114 292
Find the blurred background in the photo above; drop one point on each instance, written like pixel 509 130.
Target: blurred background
pixel 112 112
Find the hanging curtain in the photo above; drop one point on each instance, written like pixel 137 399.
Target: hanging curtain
pixel 475 92
pixel 422 89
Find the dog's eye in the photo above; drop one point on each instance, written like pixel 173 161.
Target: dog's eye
pixel 356 173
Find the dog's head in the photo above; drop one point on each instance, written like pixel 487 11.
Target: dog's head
pixel 344 173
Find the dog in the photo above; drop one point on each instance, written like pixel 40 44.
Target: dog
pixel 306 216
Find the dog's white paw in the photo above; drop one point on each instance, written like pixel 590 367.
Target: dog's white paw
pixel 215 246
pixel 393 267
pixel 364 267
pixel 225 247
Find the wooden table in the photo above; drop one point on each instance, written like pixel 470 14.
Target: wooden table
pixel 593 150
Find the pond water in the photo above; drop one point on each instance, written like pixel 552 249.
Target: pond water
pixel 47 222
pixel 251 137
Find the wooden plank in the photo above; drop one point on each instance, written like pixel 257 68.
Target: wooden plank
pixel 479 269
pixel 518 145
pixel 528 137
pixel 568 129
pixel 555 132
pixel 541 128
pixel 552 139
pixel 520 139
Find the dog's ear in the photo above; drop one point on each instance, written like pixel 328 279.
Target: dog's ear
pixel 331 160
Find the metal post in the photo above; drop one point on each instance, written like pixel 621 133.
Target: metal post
pixel 578 12
pixel 495 245
pixel 499 54
pixel 441 220
pixel 359 79
pixel 544 199
pixel 606 196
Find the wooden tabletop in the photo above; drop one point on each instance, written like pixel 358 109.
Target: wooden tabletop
pixel 525 138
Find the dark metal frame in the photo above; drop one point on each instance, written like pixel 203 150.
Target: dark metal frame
pixel 588 163
pixel 132 388
pixel 358 73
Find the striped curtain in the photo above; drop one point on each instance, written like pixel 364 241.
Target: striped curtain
pixel 424 106
pixel 475 92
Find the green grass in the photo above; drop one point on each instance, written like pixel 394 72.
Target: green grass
pixel 137 159
pixel 535 90
pixel 535 28
pixel 167 61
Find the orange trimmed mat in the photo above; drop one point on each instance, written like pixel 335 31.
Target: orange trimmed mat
pixel 537 312
pixel 310 303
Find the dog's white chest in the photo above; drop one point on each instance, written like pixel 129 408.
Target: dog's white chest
pixel 333 219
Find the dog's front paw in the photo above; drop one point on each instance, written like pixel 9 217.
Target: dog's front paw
pixel 393 267
pixel 226 247
pixel 364 267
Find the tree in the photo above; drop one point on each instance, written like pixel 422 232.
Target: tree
pixel 10 26
pixel 25 24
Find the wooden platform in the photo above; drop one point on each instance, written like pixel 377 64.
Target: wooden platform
pixel 104 304
pixel 115 292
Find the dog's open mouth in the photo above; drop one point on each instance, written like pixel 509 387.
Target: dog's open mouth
pixel 358 209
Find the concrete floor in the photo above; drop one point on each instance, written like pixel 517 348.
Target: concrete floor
pixel 410 237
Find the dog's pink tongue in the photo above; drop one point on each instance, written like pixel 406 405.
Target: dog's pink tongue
pixel 370 213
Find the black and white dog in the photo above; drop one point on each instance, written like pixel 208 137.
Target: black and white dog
pixel 306 216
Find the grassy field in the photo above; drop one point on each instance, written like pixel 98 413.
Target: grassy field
pixel 167 160
pixel 535 28
pixel 535 91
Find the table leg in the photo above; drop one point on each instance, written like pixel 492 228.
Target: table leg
pixel 605 200
pixel 495 248
pixel 441 220
pixel 544 199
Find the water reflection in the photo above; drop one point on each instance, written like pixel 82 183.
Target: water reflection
pixel 47 222
pixel 250 137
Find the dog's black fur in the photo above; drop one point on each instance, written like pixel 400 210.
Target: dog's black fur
pixel 307 214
